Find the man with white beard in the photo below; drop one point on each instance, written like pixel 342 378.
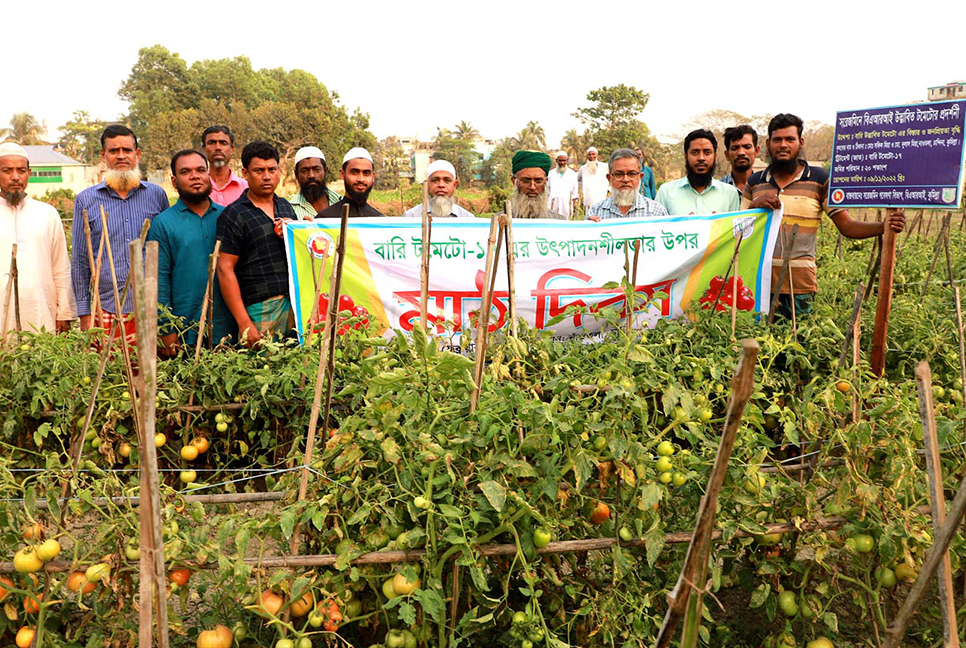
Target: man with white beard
pixel 562 187
pixel 592 180
pixel 43 266
pixel 441 183
pixel 129 202
pixel 531 196
pixel 625 200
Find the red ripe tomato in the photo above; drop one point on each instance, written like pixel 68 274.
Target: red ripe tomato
pixel 346 303
pixel 330 626
pixel 179 576
pixel 323 305
pixel 600 513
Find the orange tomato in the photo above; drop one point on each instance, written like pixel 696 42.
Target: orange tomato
pixel 179 576
pixel 33 531
pixel 78 581
pixel 201 443
pixel 5 591
pixel 600 513
pixel 25 637
pixel 220 637
pixel 271 602
pixel 302 606
pixel 31 604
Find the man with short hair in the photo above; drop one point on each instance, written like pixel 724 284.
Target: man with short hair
pixel 741 151
pixel 186 233
pixel 218 144
pixel 313 195
pixel 252 266
pixel 592 180
pixel 43 265
pixel 802 189
pixel 128 201
pixel 562 187
pixel 530 198
pixel 358 174
pixel 647 176
pixel 625 200
pixel 698 192
pixel 441 183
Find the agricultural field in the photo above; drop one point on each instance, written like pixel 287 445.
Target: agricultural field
pixel 557 514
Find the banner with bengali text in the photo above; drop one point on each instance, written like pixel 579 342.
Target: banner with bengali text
pixel 558 264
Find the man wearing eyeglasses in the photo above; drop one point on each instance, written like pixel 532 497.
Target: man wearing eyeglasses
pixel 530 197
pixel 625 200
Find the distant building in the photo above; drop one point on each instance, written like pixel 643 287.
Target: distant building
pixel 50 170
pixel 952 90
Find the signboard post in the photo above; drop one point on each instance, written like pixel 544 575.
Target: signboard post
pixel 899 156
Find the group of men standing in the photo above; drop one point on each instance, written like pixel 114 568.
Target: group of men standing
pixel 250 295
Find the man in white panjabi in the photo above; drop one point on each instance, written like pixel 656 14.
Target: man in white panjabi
pixel 441 184
pixel 46 300
pixel 592 180
pixel 562 187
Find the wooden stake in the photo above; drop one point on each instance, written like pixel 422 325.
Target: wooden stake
pixel 856 338
pixel 949 258
pixel 94 266
pixel 208 299
pixel 152 572
pixel 838 247
pixel 334 293
pixel 96 287
pixel 938 501
pixel 511 271
pixel 424 266
pixel 734 287
pixel 693 573
pixel 786 261
pixel 9 295
pixel 962 342
pixel 884 304
pixel 731 266
pixel 483 317
pixel 935 258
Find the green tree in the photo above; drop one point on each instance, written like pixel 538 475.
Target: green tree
pixel 159 82
pixel 498 168
pixel 390 162
pixel 460 152
pixel 530 138
pixel 613 118
pixel 80 138
pixel 465 131
pixel 24 129
pixel 575 144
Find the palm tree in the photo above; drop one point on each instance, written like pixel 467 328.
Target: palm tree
pixel 573 143
pixel 465 131
pixel 25 129
pixel 530 137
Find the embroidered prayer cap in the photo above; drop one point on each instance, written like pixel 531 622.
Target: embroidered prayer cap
pixel 440 165
pixel 12 148
pixel 562 154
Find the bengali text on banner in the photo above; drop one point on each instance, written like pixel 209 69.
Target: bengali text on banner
pixel 557 265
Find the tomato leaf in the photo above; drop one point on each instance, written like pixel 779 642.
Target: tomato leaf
pixel 760 595
pixel 287 522
pixel 432 603
pixel 495 494
pixel 407 613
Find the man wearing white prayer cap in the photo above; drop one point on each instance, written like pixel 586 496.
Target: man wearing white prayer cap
pixel 359 175
pixel 310 172
pixel 562 187
pixel 45 298
pixel 441 182
pixel 592 180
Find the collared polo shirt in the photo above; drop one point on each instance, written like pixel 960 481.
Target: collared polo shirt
pixel 249 233
pixel 304 209
pixel 456 212
pixel 124 219
pixel 185 241
pixel 804 199
pixel 335 210
pixel 642 208
pixel 230 192
pixel 647 183
pixel 679 198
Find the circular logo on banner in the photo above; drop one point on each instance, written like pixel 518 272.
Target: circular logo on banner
pixel 320 244
pixel 838 196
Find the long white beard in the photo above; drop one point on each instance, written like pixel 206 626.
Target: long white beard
pixel 122 181
pixel 623 197
pixel 440 206
pixel 592 166
pixel 525 206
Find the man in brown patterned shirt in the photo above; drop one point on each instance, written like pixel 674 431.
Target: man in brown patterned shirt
pixel 803 191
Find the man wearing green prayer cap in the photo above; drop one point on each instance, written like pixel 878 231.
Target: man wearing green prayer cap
pixel 531 194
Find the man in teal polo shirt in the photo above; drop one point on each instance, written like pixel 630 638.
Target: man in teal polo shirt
pixel 698 192
pixel 186 234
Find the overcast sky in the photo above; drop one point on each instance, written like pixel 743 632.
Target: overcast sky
pixel 414 66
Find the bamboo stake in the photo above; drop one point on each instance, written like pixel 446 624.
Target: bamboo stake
pixel 209 297
pixel 15 277
pixel 693 573
pixel 884 304
pixel 838 247
pixel 329 327
pixel 314 317
pixel 734 288
pixel 930 565
pixel 856 338
pixel 511 271
pixel 731 266
pixel 776 290
pixel 850 329
pixel 96 309
pixel 962 342
pixel 949 258
pixel 119 306
pixel 334 293
pixel 9 295
pixel 94 264
pixel 424 265
pixel 483 318
pixel 152 578
pixel 938 501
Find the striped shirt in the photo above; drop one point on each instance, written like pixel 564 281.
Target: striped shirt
pixel 304 209
pixel 804 199
pixel 642 208
pixel 124 219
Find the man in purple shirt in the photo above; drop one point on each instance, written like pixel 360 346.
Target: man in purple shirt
pixel 128 201
pixel 218 145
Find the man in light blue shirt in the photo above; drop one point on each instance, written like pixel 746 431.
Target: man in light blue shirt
pixel 625 200
pixel 698 192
